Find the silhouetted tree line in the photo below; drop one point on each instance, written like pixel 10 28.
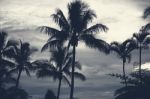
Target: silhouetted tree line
pixel 15 56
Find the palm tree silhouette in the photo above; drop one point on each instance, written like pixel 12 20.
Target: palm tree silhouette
pixel 124 50
pixel 146 14
pixel 56 67
pixel 141 40
pixel 75 29
pixel 6 47
pixel 135 90
pixel 22 55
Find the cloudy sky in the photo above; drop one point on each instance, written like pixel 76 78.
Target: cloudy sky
pixel 122 17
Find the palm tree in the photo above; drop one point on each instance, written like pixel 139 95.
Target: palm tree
pixel 123 50
pixel 57 68
pixel 22 55
pixel 146 14
pixel 141 40
pixel 74 29
pixel 6 47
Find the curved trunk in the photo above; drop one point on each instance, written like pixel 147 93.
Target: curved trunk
pixel 18 78
pixel 59 86
pixel 72 77
pixel 124 73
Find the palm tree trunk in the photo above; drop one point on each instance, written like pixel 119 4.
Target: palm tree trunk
pixel 140 54
pixel 18 78
pixel 72 77
pixel 124 73
pixel 59 86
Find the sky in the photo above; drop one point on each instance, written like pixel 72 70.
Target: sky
pixel 122 17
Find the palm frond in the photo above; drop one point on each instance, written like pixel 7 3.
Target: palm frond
pixel 13 70
pixel 136 36
pixel 12 43
pixel 95 28
pixel 51 44
pixel 147 27
pixel 43 64
pixel 27 72
pixel 47 73
pixel 115 47
pixel 88 16
pixel 79 76
pixel 60 19
pixel 78 65
pixel 66 80
pixel 147 41
pixel 48 30
pixel 146 12
pixel 6 62
pixel 92 42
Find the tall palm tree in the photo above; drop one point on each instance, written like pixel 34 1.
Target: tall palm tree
pixel 6 47
pixel 141 40
pixel 146 14
pixel 22 55
pixel 57 68
pixel 123 50
pixel 74 29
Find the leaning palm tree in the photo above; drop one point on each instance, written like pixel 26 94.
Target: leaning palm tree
pixel 22 55
pixel 123 50
pixel 57 67
pixel 146 14
pixel 74 29
pixel 142 38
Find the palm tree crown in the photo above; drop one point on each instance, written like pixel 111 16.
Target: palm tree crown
pixel 22 55
pixel 79 16
pixel 74 29
pixel 123 50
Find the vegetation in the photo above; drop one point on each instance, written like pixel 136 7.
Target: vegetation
pixel 134 90
pixel 15 56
